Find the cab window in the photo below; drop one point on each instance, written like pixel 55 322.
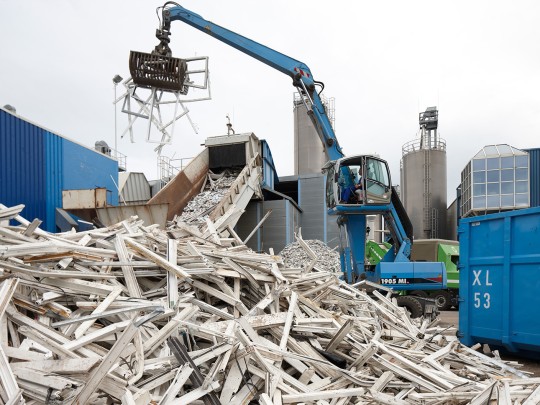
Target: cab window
pixel 377 181
pixel 330 198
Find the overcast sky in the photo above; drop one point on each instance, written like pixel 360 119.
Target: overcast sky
pixel 383 61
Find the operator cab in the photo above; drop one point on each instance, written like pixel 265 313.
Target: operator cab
pixel 357 180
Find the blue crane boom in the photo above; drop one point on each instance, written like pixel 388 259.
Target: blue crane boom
pixel 298 71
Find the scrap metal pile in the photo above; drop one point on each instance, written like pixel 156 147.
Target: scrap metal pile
pixel 297 254
pixel 133 314
pixel 213 191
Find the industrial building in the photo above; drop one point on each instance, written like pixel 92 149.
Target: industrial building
pixel 496 179
pixel 499 178
pixel 37 165
pixel 297 203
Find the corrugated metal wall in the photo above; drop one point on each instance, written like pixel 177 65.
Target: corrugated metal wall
pixel 534 171
pixel 36 165
pixel 276 232
pixel 250 218
pixel 22 158
pixel 315 222
pixel 54 178
pixel 134 187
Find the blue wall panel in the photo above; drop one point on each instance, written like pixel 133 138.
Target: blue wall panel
pixel 270 177
pixel 22 164
pixel 36 165
pixel 86 169
pixel 534 168
pixel 53 178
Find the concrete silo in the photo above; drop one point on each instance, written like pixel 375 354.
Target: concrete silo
pixel 309 153
pixel 423 179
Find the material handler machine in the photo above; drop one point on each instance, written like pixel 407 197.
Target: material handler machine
pixel 367 174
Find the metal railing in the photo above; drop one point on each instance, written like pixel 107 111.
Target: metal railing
pixel 168 168
pixel 121 158
pixel 423 144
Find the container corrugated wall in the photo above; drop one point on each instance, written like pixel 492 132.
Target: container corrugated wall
pixel 36 165
pixel 534 170
pixel 499 279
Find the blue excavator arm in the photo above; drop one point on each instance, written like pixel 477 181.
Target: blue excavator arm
pixel 298 71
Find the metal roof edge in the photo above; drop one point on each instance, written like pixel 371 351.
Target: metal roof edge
pixel 55 133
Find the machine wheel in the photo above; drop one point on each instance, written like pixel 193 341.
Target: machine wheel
pixel 443 300
pixel 411 304
pixel 419 293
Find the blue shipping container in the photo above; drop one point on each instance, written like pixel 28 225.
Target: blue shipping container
pixel 36 165
pixel 500 280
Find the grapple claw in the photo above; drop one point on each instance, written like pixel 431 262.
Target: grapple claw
pixel 153 70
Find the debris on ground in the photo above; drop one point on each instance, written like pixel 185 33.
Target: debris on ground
pixel 134 314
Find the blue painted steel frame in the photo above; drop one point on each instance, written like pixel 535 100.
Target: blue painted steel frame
pixel 352 255
pixel 390 214
pixel 324 211
pixel 356 226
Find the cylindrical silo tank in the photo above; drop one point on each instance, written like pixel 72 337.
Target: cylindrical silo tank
pixel 309 152
pixel 423 182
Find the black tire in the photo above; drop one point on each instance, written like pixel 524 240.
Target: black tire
pixel 443 300
pixel 411 304
pixel 419 293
